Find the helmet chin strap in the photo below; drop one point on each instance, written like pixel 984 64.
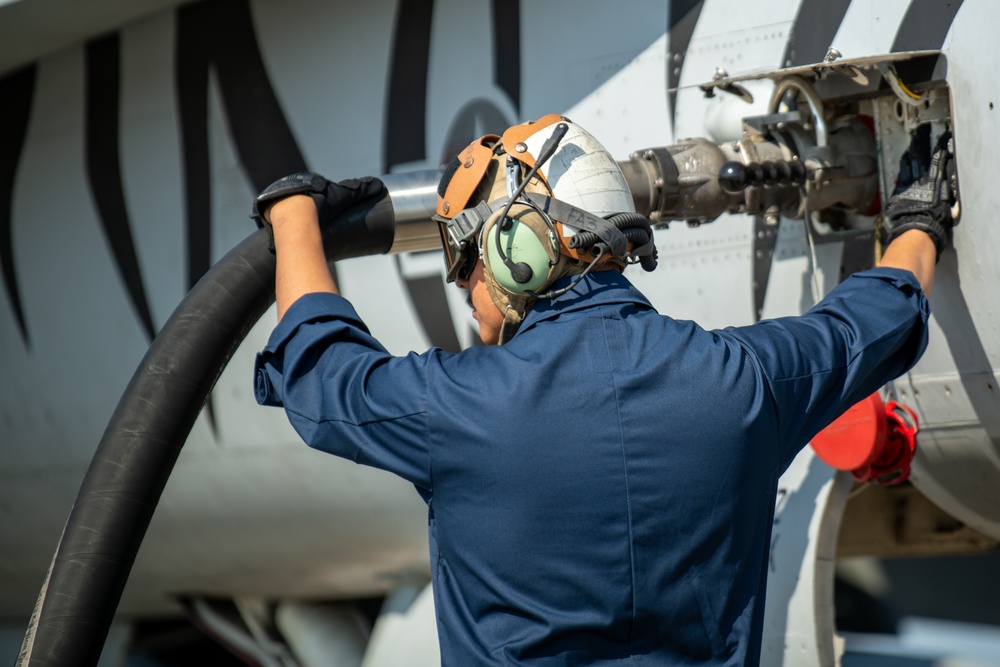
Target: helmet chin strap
pixel 511 323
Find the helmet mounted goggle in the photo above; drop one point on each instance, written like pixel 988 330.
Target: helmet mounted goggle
pixel 460 239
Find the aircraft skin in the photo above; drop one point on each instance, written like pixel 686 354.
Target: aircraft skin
pixel 128 161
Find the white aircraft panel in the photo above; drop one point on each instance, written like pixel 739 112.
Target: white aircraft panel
pixel 565 59
pixel 864 30
pixel 704 274
pixel 624 128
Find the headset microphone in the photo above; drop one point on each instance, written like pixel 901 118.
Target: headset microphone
pixel 521 272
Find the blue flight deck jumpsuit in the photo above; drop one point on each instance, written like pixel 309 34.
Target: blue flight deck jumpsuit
pixel 600 489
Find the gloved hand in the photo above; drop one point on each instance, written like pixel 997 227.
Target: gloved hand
pixel 331 198
pixel 924 195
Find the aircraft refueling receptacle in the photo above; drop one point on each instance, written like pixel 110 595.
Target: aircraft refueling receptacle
pixel 827 149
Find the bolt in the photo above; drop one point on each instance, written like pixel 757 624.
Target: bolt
pixel 468 163
pixel 520 147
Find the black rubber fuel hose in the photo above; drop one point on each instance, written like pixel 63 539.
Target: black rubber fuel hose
pixel 130 468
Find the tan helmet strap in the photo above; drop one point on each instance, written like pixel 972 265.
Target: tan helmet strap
pixel 474 161
pixel 516 136
pixel 511 323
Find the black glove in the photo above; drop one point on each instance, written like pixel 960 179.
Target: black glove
pixel 331 198
pixel 924 195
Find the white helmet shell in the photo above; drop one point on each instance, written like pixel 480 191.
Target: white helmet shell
pixel 582 172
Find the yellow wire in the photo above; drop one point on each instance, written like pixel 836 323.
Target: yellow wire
pixel 906 90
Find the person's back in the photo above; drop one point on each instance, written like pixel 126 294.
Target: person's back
pixel 607 483
pixel 572 473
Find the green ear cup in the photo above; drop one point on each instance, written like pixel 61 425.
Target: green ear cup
pixel 521 243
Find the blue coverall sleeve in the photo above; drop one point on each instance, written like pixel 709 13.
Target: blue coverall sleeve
pixel 868 331
pixel 343 392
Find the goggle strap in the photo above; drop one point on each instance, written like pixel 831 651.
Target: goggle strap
pixel 577 218
pixel 469 221
pixel 466 225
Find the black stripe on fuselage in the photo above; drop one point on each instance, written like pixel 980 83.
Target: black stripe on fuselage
pixel 507 48
pixel 17 91
pixel 220 34
pixel 406 104
pixel 925 25
pixel 101 147
pixel 815 26
pixel 681 22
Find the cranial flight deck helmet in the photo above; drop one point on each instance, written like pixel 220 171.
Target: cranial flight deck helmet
pixel 542 202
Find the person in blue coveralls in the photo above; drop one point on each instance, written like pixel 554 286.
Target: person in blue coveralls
pixel 600 478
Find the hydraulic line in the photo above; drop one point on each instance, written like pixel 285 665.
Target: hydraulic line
pixel 130 468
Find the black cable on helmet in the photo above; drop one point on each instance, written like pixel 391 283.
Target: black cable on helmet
pixel 636 229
